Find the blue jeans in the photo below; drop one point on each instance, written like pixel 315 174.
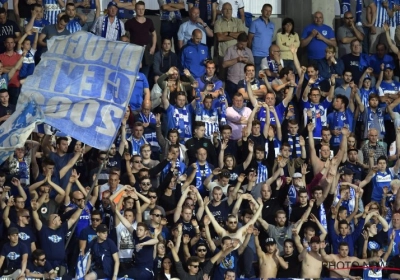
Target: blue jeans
pixel 257 63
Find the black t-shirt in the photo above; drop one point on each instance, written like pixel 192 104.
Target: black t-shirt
pixel 375 242
pixel 351 62
pixel 293 270
pixel 8 29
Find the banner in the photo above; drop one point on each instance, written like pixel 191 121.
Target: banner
pixel 17 128
pixel 83 85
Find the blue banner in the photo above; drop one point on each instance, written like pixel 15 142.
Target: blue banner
pixel 17 128
pixel 83 85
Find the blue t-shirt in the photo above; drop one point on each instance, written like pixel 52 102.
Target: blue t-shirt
pixel 88 234
pixel 137 94
pixel 380 180
pixel 263 34
pixel 60 162
pixel 316 48
pixel 52 241
pixel 25 235
pixel 38 269
pixel 230 262
pixel 84 218
pixel 143 257
pixel 102 255
pixel 13 255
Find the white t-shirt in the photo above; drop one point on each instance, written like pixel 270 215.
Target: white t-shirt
pixel 125 242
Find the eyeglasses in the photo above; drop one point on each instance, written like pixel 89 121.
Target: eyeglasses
pixel 195 266
pixel 158 215
pixel 41 260
pixel 146 183
pixel 152 196
pixel 232 222
pixel 201 250
pixel 95 220
pixel 137 161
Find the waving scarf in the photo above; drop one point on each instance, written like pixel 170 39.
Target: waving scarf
pixel 105 26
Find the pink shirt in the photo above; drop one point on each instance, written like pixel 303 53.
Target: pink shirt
pixel 233 119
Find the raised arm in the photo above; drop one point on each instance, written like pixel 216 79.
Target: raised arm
pixel 36 220
pixel 218 229
pixel 75 217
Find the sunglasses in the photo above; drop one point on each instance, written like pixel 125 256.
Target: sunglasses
pixel 233 223
pixel 146 184
pixel 201 250
pixel 95 220
pixel 41 260
pixel 158 215
pixel 152 196
pixel 195 266
pixel 137 161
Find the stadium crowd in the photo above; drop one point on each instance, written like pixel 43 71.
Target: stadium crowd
pixel 233 159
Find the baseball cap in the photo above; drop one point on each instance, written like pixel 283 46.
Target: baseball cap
pixel 297 175
pixel 270 241
pixel 347 171
pixel 13 230
pixel 102 228
pixel 112 3
pixel 315 239
pixel 389 66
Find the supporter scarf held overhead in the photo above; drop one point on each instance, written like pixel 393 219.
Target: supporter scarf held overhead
pixel 181 116
pixel 199 181
pixel 296 143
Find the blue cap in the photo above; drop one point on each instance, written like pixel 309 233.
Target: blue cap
pixel 112 3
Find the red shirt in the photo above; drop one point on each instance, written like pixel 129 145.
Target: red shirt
pixel 10 61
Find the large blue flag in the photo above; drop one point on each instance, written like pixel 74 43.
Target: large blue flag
pixel 83 85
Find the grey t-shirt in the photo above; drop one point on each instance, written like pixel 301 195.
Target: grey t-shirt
pixel 280 234
pixel 50 31
pixel 344 32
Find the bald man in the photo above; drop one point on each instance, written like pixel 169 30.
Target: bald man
pixel 316 37
pixel 194 55
pixel 53 235
pixel 186 29
pixel 149 123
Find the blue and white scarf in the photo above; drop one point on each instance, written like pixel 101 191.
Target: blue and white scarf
pixel 136 144
pixel 277 147
pixel 364 96
pixel 296 144
pixel 150 136
pixel 348 204
pixel 370 120
pixel 178 165
pixel 346 8
pixel 292 195
pixel 262 173
pixel 181 117
pixel 273 67
pixel 200 174
pixel 322 216
pixel 104 27
pixel 222 112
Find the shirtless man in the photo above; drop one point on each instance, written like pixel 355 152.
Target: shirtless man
pixel 311 265
pixel 342 261
pixel 270 261
pixel 325 152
